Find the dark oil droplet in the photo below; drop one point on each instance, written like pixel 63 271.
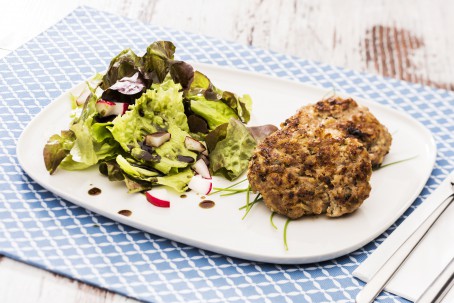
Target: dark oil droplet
pixel 94 191
pixel 206 204
pixel 125 212
pixel 183 196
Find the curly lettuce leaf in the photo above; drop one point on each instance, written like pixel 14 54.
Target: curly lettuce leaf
pixel 181 72
pixel 57 148
pixel 168 104
pixel 125 64
pixel 160 108
pixel 155 110
pixel 83 145
pixel 152 67
pixel 156 60
pixel 231 155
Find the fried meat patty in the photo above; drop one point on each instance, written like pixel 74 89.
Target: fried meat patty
pixel 343 117
pixel 309 171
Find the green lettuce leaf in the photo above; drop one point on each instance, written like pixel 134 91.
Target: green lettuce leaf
pixel 135 171
pixel 202 88
pixel 231 155
pixel 216 135
pixel 112 170
pixel 178 181
pixel 173 148
pixel 136 186
pixel 242 106
pixel 214 112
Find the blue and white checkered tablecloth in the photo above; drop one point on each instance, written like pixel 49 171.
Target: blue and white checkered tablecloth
pixel 42 229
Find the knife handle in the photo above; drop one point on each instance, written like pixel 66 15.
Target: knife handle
pixel 438 289
pixel 394 263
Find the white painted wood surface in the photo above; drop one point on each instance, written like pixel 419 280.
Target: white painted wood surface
pixel 408 39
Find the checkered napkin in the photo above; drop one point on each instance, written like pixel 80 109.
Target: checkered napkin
pixel 42 229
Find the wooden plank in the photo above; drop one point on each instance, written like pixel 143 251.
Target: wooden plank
pixel 20 282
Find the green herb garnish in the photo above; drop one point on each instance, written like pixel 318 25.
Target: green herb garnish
pixel 271 220
pixel 249 205
pixel 285 233
pixel 395 162
pixel 220 189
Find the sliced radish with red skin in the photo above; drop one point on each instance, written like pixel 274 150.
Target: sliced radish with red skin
pixel 129 85
pixel 157 139
pixel 158 197
pixel 193 144
pixel 109 108
pixel 200 185
pixel 201 168
pixel 205 159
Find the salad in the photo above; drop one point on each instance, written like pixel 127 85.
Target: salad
pixel 152 120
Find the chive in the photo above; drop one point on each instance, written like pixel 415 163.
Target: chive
pixel 235 192
pixel 250 204
pixel 396 162
pixel 248 207
pixel 231 189
pixel 285 233
pixel 271 220
pixel 218 189
pixel 248 195
pixel 257 199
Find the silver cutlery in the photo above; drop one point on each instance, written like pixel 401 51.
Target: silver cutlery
pixel 438 289
pixel 397 259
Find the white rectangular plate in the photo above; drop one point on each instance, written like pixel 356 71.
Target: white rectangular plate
pixel 221 228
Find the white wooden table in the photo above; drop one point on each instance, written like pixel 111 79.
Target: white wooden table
pixel 411 40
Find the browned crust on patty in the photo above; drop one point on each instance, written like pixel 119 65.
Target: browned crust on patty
pixel 306 171
pixel 343 117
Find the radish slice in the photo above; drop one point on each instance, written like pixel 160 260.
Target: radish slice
pixel 157 139
pixel 109 108
pixel 83 97
pixel 193 144
pixel 204 158
pixel 201 168
pixel 158 197
pixel 200 185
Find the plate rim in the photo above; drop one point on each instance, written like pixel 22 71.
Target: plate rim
pixel 229 252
